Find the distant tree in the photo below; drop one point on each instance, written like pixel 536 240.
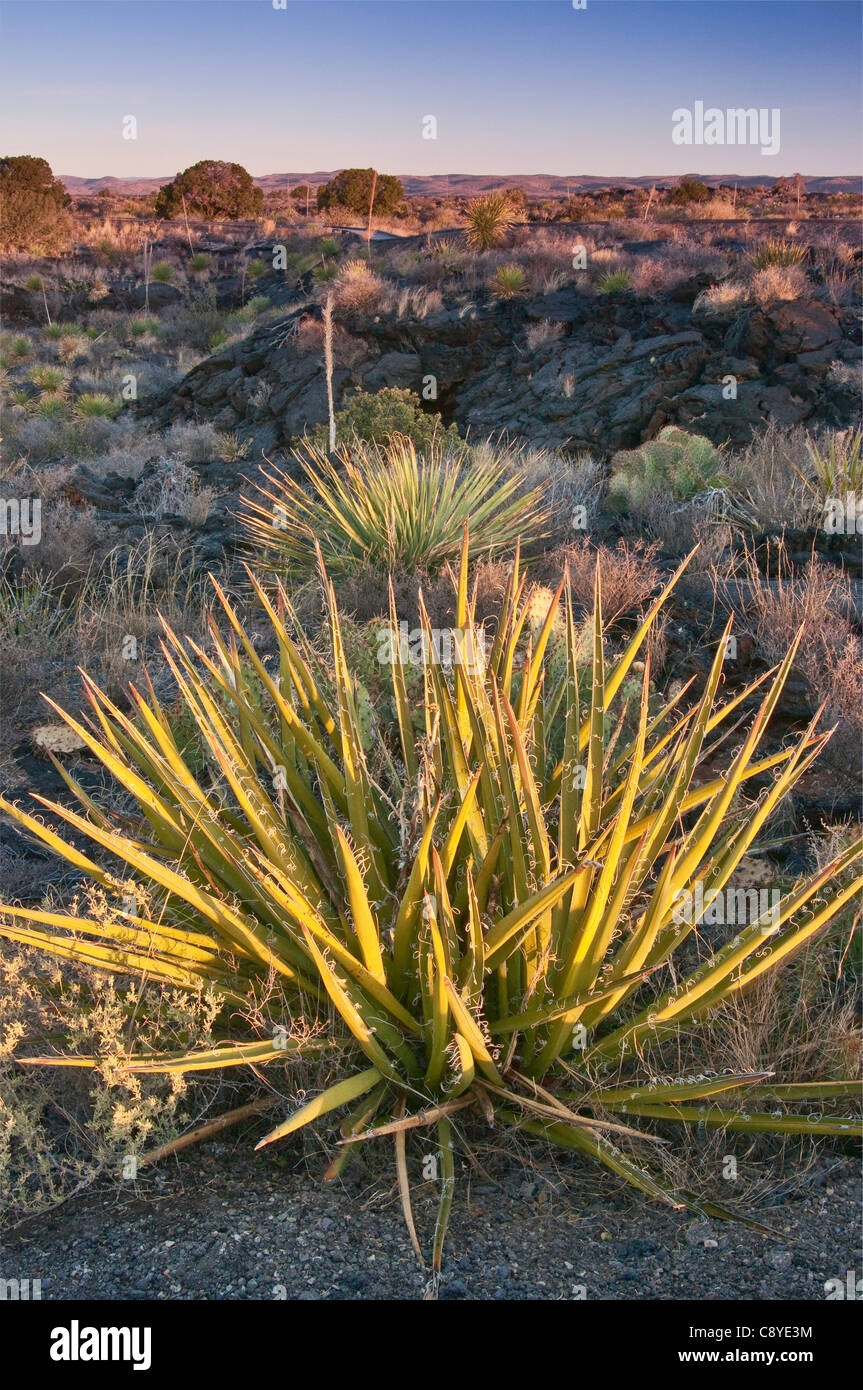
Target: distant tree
pixel 515 196
pixel 690 191
pixel 301 192
pixel 352 189
pixel 211 188
pixel 32 205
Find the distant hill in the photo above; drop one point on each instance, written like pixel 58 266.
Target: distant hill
pixel 472 185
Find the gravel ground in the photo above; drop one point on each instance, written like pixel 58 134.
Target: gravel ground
pixel 226 1225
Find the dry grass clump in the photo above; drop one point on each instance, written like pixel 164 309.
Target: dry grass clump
pixel 779 282
pixel 628 573
pixel 818 599
pixel 410 302
pixel 176 490
pixel 118 612
pixel 770 475
pixel 546 331
pixel 357 288
pixel 348 350
pixel 192 443
pixel 571 488
pixel 35 636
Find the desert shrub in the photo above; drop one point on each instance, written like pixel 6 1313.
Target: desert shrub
pixel 194 323
pixel 70 538
pixel 199 262
pixel 162 272
pixel 488 221
pixel 176 490
pixel 628 574
pixel 779 282
pixel 386 889
pixel 59 1134
pixel 33 627
pixel 385 508
pixel 815 600
pixel 689 191
pixel 33 206
pixel 676 463
pixel 357 287
pixel 546 331
pixel 211 188
pixel 570 488
pixel 614 282
pixel 373 417
pixel 508 281
pixel 52 432
pixel 192 442
pixel 352 189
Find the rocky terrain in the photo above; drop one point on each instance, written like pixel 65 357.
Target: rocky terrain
pixel 623 367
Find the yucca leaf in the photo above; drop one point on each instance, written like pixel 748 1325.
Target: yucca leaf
pixel 342 1093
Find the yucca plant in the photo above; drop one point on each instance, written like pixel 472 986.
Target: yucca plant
pixel 386 508
pixel 777 251
pixel 509 280
pixel 839 466
pixel 614 282
pixel 97 403
pixel 48 378
pixel 488 220
pixel 466 907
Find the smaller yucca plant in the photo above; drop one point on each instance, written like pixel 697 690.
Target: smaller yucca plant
pixel 385 508
pixel 838 465
pixel 53 405
pixel 488 220
pixel 615 282
pixel 52 379
pixel 199 262
pixel 162 272
pixel 776 251
pixel 509 280
pixel 97 403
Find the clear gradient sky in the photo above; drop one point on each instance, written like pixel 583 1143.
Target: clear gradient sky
pixel 517 86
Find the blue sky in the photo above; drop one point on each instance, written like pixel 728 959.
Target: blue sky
pixel 519 88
